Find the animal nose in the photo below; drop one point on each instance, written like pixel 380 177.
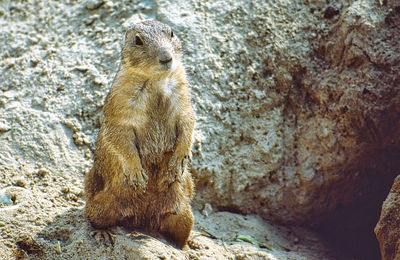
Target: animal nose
pixel 166 61
pixel 165 57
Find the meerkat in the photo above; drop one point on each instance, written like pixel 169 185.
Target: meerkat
pixel 140 178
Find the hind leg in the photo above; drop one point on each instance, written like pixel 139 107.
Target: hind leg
pixel 177 227
pixel 102 212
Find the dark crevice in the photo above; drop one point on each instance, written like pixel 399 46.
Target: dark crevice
pixel 349 230
pixel 231 208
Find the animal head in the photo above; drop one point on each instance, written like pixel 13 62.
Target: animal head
pixel 151 47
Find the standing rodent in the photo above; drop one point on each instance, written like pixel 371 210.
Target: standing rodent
pixel 139 177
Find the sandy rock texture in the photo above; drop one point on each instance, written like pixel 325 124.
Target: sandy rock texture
pixel 387 229
pixel 57 62
pixel 305 101
pixel 297 107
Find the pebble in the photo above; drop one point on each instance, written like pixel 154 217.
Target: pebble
pixel 58 248
pixel 93 4
pixel 4 199
pixel 330 12
pixel 42 172
pixel 207 210
pixel 4 126
pixel 65 190
pixel 20 183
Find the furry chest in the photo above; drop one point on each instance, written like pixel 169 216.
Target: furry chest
pixel 160 107
pixel 157 137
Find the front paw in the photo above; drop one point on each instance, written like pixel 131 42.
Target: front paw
pixel 134 179
pixel 177 166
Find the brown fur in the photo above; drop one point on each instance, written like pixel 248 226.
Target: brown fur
pixel 139 177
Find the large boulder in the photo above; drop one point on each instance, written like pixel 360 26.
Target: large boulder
pixel 291 99
pixel 294 102
pixel 387 230
pixel 297 103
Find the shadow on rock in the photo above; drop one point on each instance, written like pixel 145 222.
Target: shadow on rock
pixel 70 236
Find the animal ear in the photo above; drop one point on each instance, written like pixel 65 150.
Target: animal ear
pixel 128 34
pixel 130 37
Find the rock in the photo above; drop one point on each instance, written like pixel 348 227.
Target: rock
pixel 297 114
pixel 389 3
pixel 42 172
pixel 286 115
pixel 387 229
pixel 4 198
pixel 12 197
pixel 28 244
pixel 287 128
pixel 4 126
pixel 93 4
pixel 330 12
pixel 207 210
pixel 20 182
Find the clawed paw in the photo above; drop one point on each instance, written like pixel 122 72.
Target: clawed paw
pixel 177 167
pixel 103 237
pixel 135 179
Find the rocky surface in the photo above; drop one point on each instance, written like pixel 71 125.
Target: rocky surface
pixel 387 229
pixel 293 118
pixel 297 107
pixel 58 59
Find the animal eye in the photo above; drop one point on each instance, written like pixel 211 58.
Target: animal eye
pixel 138 41
pixel 172 33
